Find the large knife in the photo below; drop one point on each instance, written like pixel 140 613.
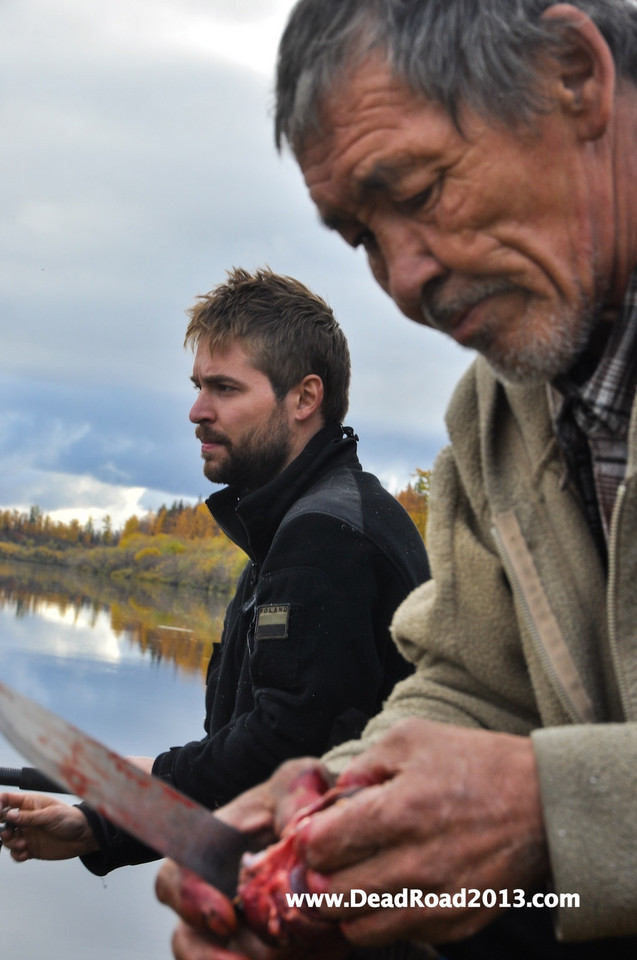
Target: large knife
pixel 154 812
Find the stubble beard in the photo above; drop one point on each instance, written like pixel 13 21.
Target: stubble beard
pixel 528 356
pixel 540 359
pixel 256 458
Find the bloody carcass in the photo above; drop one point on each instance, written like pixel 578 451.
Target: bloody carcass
pixel 268 877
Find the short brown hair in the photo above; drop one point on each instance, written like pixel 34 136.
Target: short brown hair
pixel 288 331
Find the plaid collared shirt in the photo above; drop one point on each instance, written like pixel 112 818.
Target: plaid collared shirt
pixel 591 418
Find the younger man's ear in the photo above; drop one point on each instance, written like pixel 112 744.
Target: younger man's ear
pixel 309 396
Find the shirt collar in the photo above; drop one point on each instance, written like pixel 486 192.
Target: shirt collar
pixel 603 399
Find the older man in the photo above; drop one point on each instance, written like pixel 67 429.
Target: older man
pixel 484 156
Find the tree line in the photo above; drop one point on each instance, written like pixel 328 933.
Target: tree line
pixel 35 527
pixel 180 543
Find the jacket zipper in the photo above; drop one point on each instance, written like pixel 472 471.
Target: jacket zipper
pixel 611 607
pixel 529 622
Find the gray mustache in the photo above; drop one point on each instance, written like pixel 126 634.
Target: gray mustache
pixel 440 312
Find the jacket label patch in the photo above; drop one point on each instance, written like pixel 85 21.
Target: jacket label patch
pixel 272 622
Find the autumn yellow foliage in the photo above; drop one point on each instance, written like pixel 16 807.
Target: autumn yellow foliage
pixel 180 544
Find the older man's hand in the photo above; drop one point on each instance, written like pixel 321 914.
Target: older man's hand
pixel 451 809
pixel 210 928
pixel 443 809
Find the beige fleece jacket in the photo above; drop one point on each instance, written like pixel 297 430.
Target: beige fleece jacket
pixel 520 630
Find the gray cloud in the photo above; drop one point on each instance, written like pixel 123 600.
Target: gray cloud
pixel 135 171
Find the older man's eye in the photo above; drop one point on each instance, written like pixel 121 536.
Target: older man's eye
pixel 424 199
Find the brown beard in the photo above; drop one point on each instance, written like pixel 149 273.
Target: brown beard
pixel 256 458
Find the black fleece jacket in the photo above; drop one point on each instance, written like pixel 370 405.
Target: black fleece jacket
pixel 306 657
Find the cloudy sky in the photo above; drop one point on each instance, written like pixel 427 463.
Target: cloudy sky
pixel 137 166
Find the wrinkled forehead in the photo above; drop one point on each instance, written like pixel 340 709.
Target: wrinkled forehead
pixel 374 129
pixel 371 96
pixel 336 102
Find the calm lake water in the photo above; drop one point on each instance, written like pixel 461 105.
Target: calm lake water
pixel 128 668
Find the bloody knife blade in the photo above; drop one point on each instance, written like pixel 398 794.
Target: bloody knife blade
pixel 154 812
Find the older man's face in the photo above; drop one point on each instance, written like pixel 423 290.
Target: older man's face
pixel 491 237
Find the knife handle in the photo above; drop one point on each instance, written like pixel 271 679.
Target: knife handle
pixel 28 778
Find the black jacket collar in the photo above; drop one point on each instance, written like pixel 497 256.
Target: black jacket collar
pixel 251 521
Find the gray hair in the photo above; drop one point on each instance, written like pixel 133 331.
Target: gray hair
pixel 481 53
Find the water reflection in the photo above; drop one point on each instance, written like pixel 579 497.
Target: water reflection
pixel 164 623
pixel 125 666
